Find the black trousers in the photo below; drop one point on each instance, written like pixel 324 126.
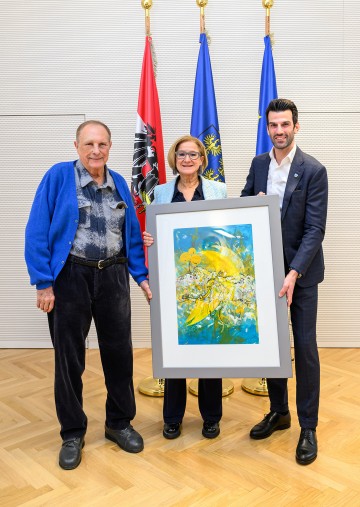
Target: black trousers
pixel 82 293
pixel 210 399
pixel 303 311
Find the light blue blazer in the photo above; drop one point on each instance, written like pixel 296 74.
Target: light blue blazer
pixel 211 190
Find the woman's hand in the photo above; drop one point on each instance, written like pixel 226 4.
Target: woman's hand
pixel 147 238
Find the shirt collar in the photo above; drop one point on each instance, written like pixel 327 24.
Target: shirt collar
pixel 198 189
pixel 85 177
pixel 288 159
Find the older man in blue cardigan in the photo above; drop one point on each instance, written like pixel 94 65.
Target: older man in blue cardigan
pixel 82 241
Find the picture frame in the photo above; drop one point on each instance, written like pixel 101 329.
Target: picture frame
pixel 215 270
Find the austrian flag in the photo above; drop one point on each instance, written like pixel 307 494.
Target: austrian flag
pixel 148 168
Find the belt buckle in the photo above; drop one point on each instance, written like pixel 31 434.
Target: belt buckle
pixel 99 265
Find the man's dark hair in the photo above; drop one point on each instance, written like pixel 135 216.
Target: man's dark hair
pixel 92 122
pixel 278 105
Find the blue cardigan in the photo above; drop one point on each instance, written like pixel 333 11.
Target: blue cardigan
pixel 211 189
pixel 53 222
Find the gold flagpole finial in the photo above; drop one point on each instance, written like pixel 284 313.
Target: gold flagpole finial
pixel 267 4
pixel 147 4
pixel 202 4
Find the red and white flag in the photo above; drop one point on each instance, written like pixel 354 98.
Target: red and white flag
pixel 148 168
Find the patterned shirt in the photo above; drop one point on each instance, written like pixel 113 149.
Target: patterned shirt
pixel 101 216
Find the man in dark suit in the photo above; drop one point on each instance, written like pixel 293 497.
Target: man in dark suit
pixel 301 183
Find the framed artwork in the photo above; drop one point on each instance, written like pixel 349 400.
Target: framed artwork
pixel 215 270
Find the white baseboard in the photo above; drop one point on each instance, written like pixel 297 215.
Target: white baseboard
pixel 26 344
pixel 141 344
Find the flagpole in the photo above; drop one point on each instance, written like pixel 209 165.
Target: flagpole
pixel 267 4
pixel 146 5
pixel 202 4
pixel 259 386
pixel 227 384
pixel 150 386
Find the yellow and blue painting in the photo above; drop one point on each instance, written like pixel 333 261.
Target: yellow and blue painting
pixel 215 285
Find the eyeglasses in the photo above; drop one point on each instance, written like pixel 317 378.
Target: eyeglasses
pixel 193 155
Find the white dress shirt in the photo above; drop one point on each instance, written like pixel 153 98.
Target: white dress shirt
pixel 278 174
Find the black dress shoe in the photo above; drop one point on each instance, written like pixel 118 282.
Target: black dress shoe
pixel 70 453
pixel 273 421
pixel 210 429
pixel 306 451
pixel 172 430
pixel 127 439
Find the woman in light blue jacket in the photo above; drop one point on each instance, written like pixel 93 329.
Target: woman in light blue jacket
pixel 187 158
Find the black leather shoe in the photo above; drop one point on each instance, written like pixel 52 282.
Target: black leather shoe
pixel 172 430
pixel 306 451
pixel 70 453
pixel 210 429
pixel 127 439
pixel 271 422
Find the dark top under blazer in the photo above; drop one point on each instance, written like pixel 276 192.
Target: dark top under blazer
pixel 303 215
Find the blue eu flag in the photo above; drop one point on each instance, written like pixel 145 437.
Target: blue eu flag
pixel 268 92
pixel 204 119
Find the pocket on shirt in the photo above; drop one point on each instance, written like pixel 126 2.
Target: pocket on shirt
pixel 84 213
pixel 117 210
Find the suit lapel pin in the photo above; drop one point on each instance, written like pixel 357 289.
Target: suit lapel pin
pixel 296 175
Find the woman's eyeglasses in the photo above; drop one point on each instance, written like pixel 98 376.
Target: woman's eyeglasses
pixel 193 155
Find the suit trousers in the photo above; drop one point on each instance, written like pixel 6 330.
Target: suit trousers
pixel 303 311
pixel 209 399
pixel 82 293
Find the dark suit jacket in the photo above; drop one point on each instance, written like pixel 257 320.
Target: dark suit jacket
pixel 303 215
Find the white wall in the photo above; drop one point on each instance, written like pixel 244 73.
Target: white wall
pixel 63 61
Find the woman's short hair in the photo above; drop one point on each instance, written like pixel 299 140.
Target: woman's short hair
pixel 174 147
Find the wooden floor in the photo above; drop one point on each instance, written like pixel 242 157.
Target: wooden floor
pixel 231 470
